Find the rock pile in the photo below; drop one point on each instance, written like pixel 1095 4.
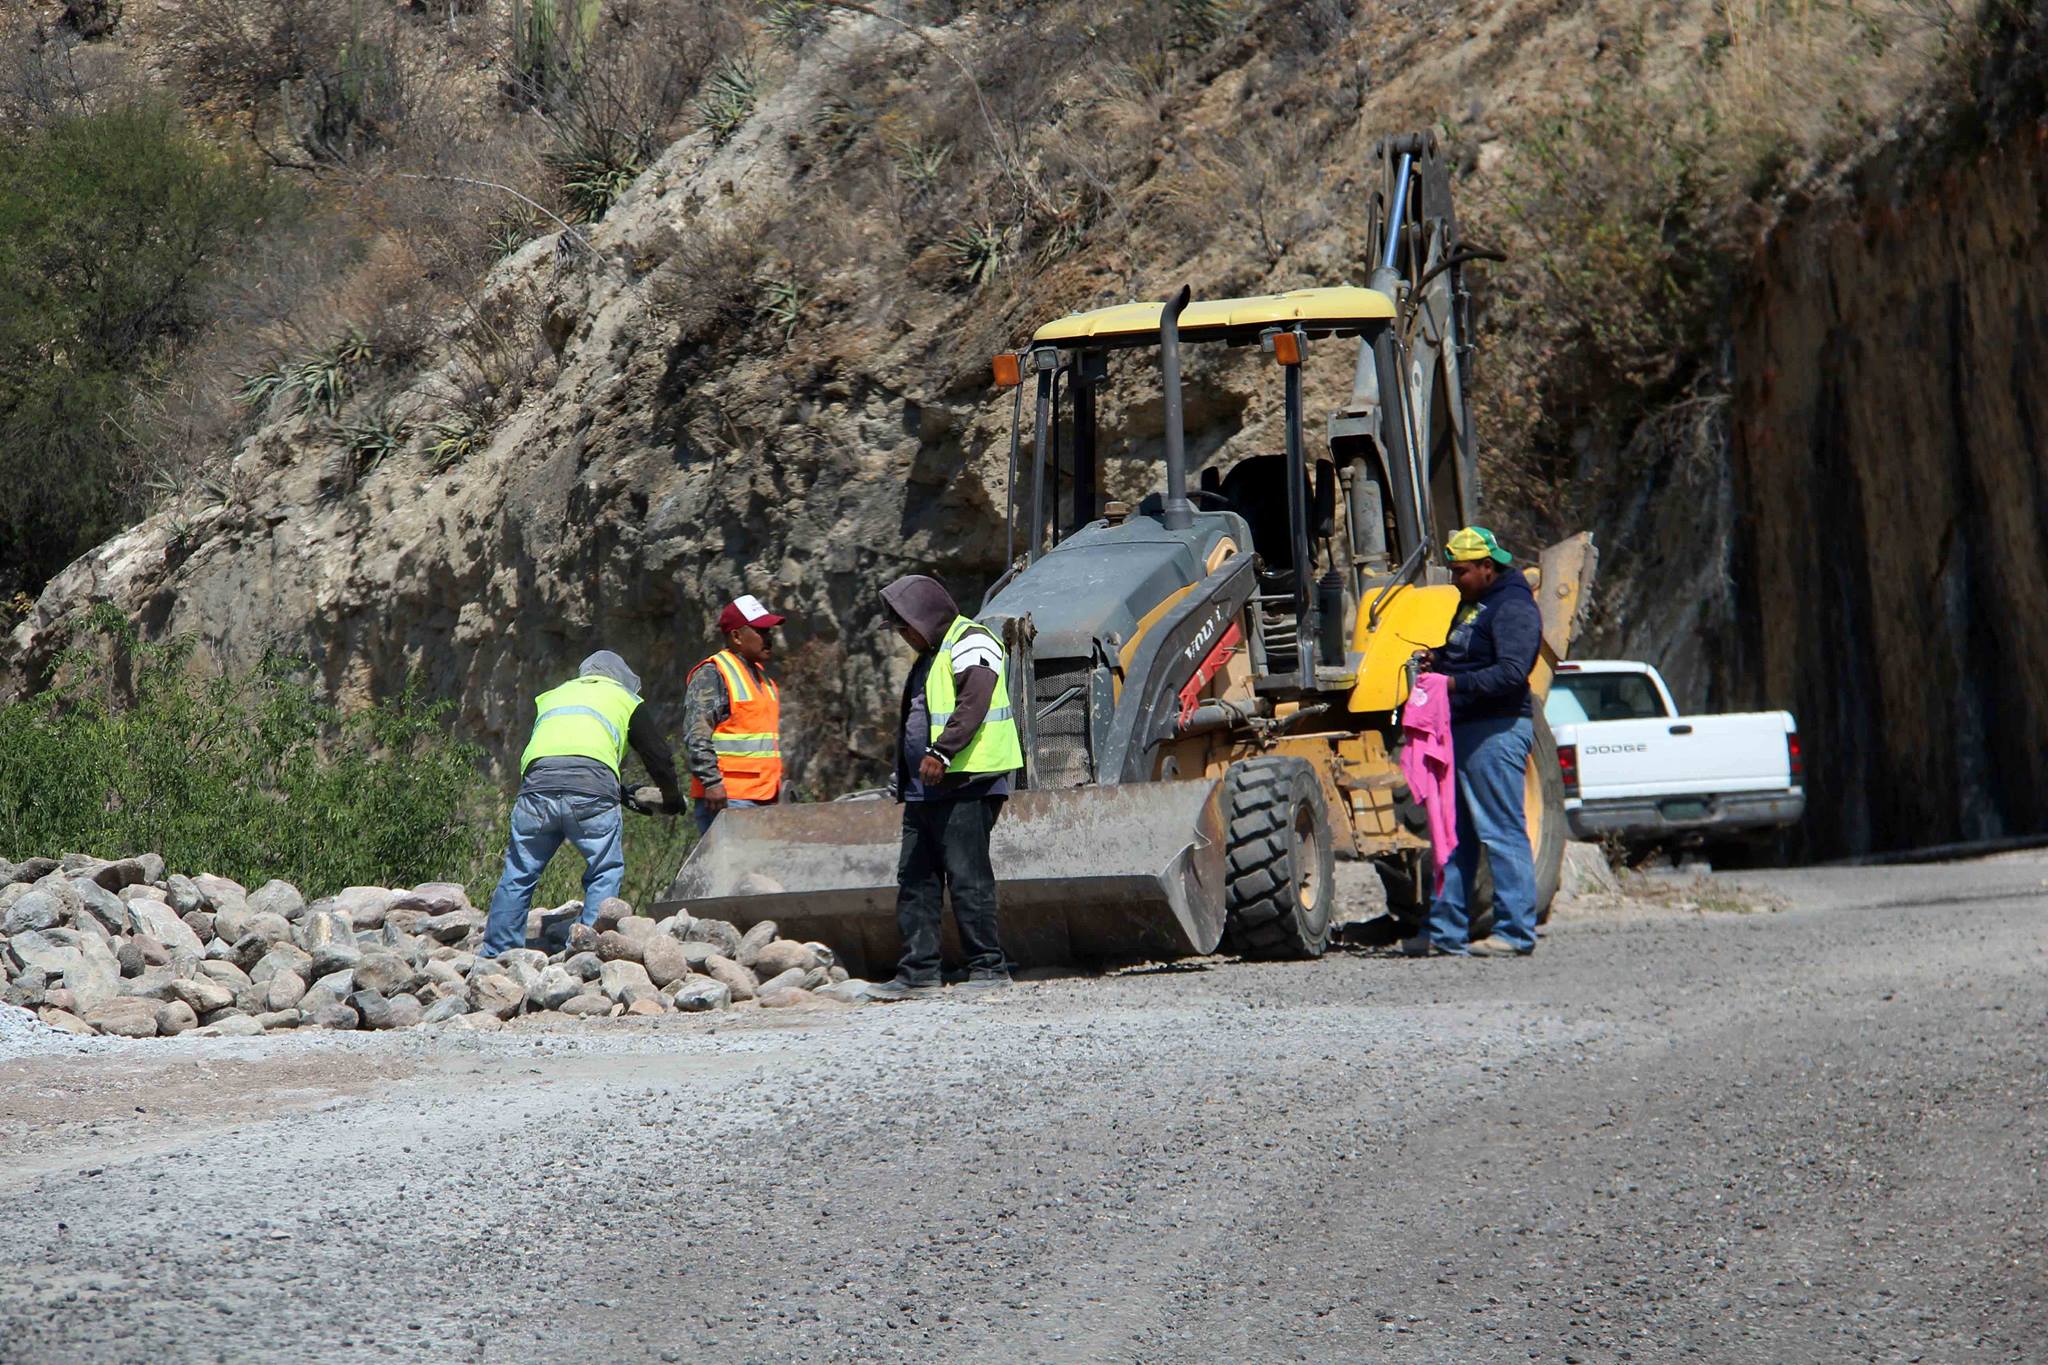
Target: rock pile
pixel 122 948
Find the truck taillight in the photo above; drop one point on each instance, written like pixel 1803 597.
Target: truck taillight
pixel 1568 764
pixel 1795 757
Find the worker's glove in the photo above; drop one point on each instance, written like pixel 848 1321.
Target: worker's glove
pixel 646 800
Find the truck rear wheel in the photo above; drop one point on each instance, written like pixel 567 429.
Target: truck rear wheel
pixel 1543 813
pixel 1280 878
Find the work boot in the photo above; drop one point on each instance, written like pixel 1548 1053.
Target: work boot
pixel 986 981
pixel 889 992
pixel 1417 945
pixel 1489 947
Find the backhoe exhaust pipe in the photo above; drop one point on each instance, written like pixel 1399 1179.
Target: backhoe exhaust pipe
pixel 1178 513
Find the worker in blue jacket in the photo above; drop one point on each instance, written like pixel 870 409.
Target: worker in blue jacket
pixel 1487 659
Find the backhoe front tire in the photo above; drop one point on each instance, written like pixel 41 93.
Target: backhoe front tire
pixel 1280 880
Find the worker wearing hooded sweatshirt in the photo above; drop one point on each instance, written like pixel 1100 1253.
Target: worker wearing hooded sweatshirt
pixel 569 792
pixel 957 746
pixel 1486 661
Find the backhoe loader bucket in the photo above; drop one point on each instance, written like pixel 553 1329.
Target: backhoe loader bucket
pixel 1098 875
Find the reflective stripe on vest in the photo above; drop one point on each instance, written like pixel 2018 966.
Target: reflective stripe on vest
pixel 997 746
pixel 748 742
pixel 583 718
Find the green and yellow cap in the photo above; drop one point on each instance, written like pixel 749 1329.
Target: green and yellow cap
pixel 1475 543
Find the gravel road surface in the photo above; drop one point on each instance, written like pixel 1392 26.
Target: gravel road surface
pixel 1813 1134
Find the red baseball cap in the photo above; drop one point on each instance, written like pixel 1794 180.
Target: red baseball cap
pixel 746 610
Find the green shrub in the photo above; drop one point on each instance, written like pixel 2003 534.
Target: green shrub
pixel 131 751
pixel 110 227
pixel 728 98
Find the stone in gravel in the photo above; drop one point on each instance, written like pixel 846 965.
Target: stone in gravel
pixel 203 994
pixel 269 926
pixel 53 950
pixel 36 910
pixel 220 950
pixel 582 938
pixel 155 954
pixel 282 958
pixel 316 927
pixel 529 959
pixel 826 957
pixel 587 1007
pixel 365 906
pixel 106 908
pixel 610 911
pixel 231 922
pixel 614 946
pixel 793 979
pixel 664 959
pixel 335 957
pixel 816 977
pixel 96 979
pixel 184 897
pixel 440 971
pixel 278 898
pixel 227 973
pixel 400 1011
pixel 700 993
pixel 23 995
pixel 616 978
pixel 277 1019
pixel 584 966
pixel 647 1005
pixel 220 893
pixel 741 982
pixel 67 1021
pixel 848 992
pixel 446 1008
pixel 496 993
pixel 174 1017
pixel 382 972
pixel 232 1026
pixel 283 992
pixel 785 997
pixel 697 952
pixel 453 927
pixel 124 1018
pixel 334 1016
pixel 476 1023
pixel 126 872
pixel 553 988
pixel 838 973
pixel 61 998
pixel 199 922
pixel 781 955
pixel 152 983
pixel 754 940
pixel 639 927
pixel 35 869
pixel 129 955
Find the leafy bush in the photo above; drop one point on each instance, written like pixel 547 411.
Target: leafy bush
pixel 110 227
pixel 130 751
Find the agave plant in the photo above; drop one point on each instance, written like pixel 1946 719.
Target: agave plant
pixel 728 97
pixel 979 252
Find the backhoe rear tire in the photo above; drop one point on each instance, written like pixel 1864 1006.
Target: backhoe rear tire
pixel 1280 879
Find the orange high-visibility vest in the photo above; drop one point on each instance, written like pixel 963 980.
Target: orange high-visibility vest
pixel 749 741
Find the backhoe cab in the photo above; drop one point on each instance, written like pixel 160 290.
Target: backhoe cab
pixel 1208 684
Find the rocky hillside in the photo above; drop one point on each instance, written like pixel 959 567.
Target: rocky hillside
pixel 765 368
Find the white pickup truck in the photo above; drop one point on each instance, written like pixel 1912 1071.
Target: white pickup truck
pixel 1634 767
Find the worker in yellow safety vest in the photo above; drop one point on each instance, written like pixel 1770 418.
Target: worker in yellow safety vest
pixel 570 792
pixel 732 716
pixel 958 745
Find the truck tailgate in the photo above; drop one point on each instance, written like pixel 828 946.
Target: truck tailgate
pixel 1686 755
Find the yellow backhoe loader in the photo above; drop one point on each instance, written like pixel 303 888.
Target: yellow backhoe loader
pixel 1210 682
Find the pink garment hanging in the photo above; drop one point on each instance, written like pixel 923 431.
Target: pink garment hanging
pixel 1427 761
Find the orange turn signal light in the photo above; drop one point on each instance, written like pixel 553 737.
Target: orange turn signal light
pixel 1287 347
pixel 1009 370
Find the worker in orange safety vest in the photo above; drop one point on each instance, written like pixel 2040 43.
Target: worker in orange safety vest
pixel 732 716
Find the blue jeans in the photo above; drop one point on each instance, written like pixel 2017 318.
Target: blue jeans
pixel 540 825
pixel 1493 759
pixel 704 815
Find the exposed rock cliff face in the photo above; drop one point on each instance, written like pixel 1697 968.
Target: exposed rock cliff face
pixel 1892 503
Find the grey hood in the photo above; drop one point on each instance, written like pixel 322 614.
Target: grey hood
pixel 923 604
pixel 605 664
